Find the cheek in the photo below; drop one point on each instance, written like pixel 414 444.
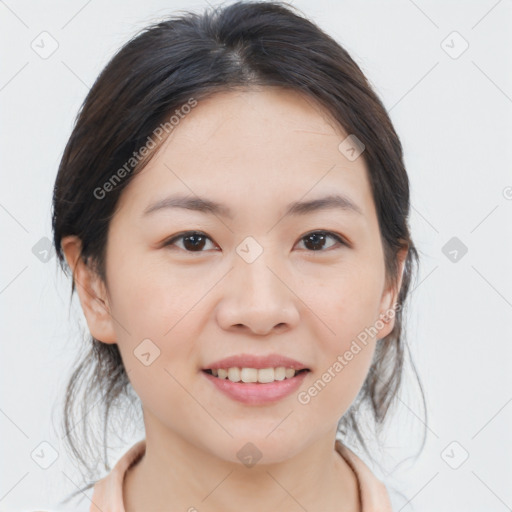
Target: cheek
pixel 151 298
pixel 337 383
pixel 349 306
pixel 156 324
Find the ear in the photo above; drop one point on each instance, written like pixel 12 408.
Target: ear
pixel 388 305
pixel 91 291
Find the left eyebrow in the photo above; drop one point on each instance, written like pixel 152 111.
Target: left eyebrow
pixel 207 206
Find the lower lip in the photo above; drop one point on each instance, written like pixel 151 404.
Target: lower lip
pixel 257 393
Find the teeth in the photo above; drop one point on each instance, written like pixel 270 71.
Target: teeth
pixel 280 373
pixel 263 375
pixel 289 373
pixel 249 375
pixel 266 375
pixel 234 374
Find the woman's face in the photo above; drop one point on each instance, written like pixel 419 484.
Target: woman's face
pixel 255 281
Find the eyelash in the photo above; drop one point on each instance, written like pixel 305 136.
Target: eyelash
pixel 337 237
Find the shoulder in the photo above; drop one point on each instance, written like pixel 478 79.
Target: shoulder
pixel 108 492
pixel 373 492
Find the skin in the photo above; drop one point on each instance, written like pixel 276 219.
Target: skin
pixel 264 148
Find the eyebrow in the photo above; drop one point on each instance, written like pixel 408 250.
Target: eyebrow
pixel 207 206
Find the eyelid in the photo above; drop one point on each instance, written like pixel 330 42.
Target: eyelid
pixel 339 238
pixel 170 241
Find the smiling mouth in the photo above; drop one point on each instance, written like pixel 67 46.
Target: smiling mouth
pixel 255 375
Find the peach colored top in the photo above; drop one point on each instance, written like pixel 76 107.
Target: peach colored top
pixel 108 492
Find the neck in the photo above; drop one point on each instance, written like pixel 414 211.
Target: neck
pixel 174 474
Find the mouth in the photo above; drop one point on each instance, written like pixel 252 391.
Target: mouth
pixel 256 379
pixel 255 375
pixel 256 386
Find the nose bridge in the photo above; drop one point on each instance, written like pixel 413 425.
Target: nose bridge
pixel 256 269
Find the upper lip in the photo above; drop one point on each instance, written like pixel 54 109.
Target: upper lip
pixel 258 362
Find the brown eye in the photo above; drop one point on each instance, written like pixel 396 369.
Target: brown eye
pixel 316 240
pixel 195 241
pixel 192 241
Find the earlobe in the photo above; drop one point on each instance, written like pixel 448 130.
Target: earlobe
pixel 91 291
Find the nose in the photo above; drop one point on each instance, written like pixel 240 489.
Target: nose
pixel 257 299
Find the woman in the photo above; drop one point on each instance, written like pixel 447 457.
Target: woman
pixel 233 206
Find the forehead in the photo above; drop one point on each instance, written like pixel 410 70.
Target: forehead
pixel 253 148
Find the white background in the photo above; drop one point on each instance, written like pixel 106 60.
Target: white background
pixel 453 116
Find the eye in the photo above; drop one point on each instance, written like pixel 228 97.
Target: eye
pixel 316 240
pixel 195 241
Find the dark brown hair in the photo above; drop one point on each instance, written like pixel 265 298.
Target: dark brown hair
pixel 194 56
